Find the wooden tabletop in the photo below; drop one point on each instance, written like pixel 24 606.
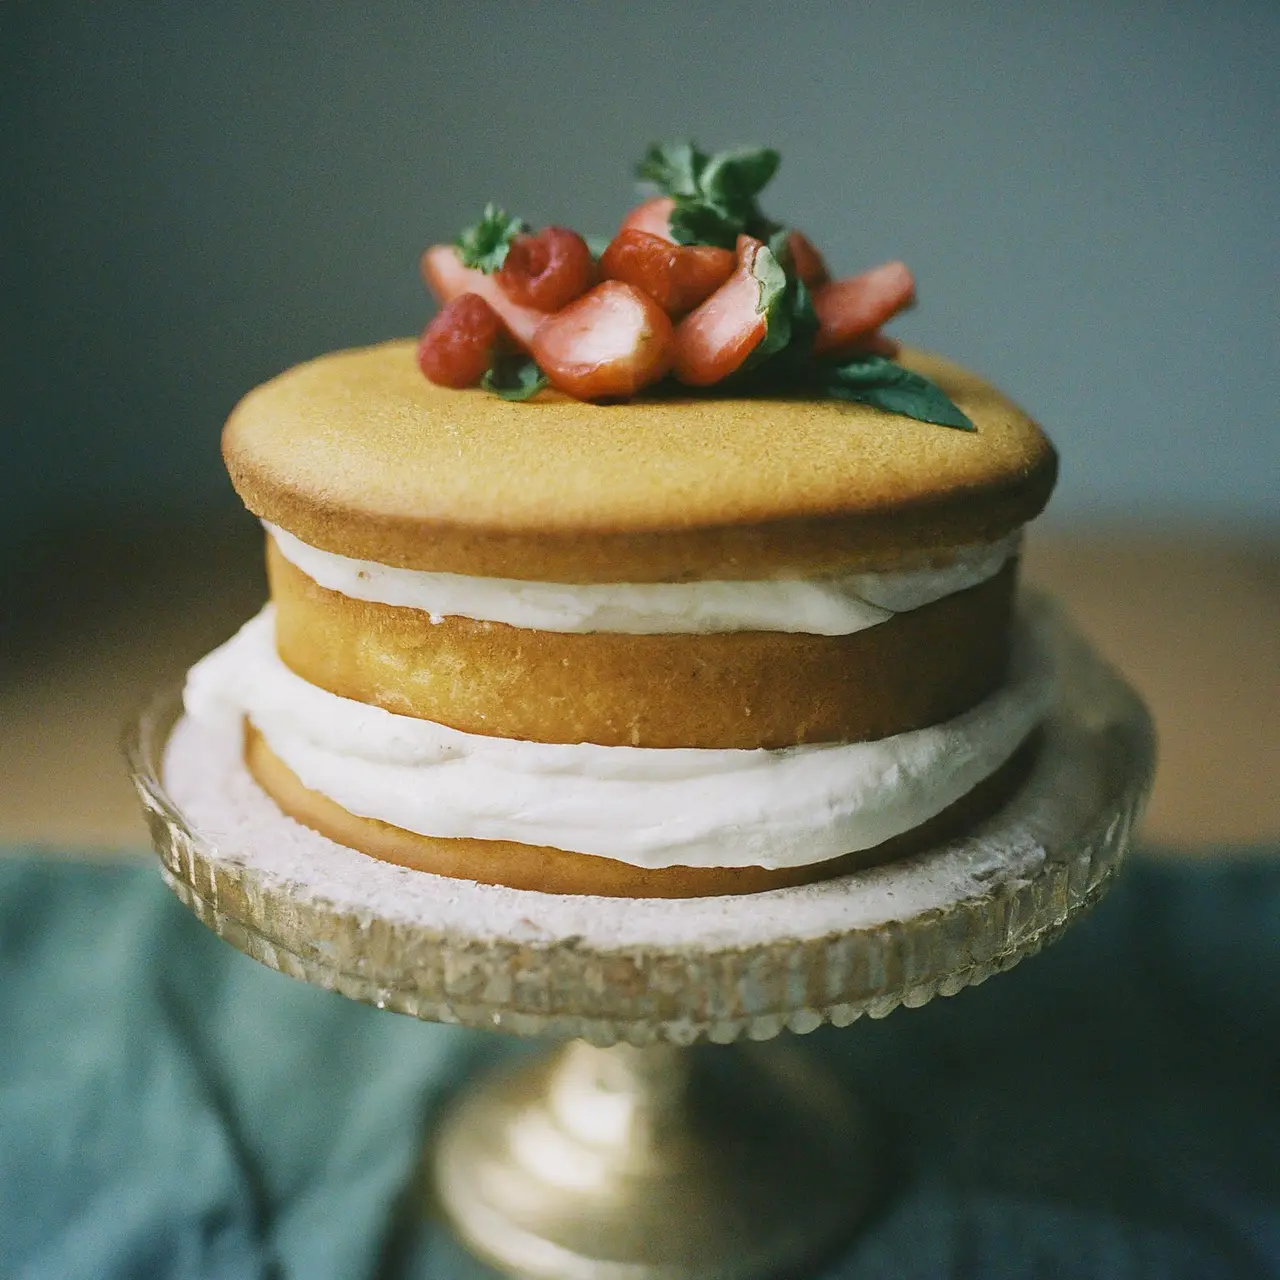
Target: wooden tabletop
pixel 99 617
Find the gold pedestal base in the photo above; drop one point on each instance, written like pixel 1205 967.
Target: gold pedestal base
pixel 655 1164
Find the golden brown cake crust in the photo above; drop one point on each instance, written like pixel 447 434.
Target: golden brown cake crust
pixel 524 866
pixel 746 689
pixel 359 454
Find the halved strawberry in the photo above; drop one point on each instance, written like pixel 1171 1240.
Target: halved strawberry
pixel 448 279
pixel 677 277
pixel 807 261
pixel 653 216
pixel 607 345
pixel 848 310
pixel 547 270
pixel 715 340
pixel 458 346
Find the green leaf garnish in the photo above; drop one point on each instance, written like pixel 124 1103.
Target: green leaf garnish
pixel 672 167
pixel 693 222
pixel 514 377
pixel 733 179
pixel 878 381
pixel 795 359
pixel 484 244
pixel 773 304
pixel 715 196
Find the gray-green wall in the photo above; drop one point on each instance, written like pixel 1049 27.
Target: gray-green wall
pixel 197 195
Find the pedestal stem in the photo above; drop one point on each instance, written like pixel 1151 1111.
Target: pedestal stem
pixel 654 1164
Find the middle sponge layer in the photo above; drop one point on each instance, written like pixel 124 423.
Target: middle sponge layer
pixel 737 690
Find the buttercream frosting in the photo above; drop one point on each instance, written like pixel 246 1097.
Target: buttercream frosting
pixel 650 807
pixel 825 606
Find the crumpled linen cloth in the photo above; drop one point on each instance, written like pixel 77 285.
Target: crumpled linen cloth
pixel 169 1108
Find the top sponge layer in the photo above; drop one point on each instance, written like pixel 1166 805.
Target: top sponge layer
pixel 359 454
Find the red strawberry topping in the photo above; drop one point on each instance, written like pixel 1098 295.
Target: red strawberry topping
pixel 547 271
pixel 807 261
pixel 449 279
pixel 714 340
pixel 676 277
pixel 848 310
pixel 524 310
pixel 607 345
pixel 458 346
pixel 653 216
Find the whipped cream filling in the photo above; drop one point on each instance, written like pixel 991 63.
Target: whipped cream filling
pixel 650 807
pixel 823 606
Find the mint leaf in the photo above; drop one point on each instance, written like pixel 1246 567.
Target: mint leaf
pixel 715 196
pixel 875 380
pixel 733 179
pixel 773 305
pixel 672 167
pixel 799 301
pixel 514 377
pixel 780 247
pixel 696 222
pixel 484 244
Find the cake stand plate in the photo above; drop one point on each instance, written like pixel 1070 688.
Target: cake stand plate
pixel 625 1154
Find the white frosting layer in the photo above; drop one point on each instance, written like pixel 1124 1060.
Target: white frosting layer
pixel 645 806
pixel 827 606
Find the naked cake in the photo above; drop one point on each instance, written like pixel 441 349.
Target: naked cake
pixel 640 573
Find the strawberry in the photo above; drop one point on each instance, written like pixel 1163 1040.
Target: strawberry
pixel 714 340
pixel 449 279
pixel 458 346
pixel 807 261
pixel 848 310
pixel 653 216
pixel 547 271
pixel 677 277
pixel 607 345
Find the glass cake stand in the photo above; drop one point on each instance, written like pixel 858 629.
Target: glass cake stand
pixel 629 1151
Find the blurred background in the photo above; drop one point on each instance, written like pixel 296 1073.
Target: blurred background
pixel 196 197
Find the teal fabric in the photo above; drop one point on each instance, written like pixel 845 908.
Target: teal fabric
pixel 168 1108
